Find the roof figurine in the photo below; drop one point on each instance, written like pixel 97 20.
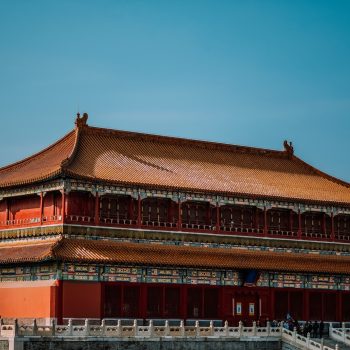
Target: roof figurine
pixel 288 147
pixel 81 121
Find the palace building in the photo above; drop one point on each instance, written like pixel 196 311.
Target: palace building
pixel 114 224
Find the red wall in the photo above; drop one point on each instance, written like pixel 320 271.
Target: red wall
pixel 80 203
pixel 65 299
pixel 81 299
pixel 28 299
pixel 25 207
pixel 52 204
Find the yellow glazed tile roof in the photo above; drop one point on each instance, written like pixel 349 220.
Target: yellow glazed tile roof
pixel 152 161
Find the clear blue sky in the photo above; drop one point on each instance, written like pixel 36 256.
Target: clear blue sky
pixel 242 72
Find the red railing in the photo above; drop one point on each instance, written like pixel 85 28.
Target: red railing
pixel 243 228
pixel 198 226
pixel 30 222
pixel 224 228
pixel 79 219
pixel 159 224
pixel 53 218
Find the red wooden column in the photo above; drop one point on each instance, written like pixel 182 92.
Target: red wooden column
pixel 306 313
pixel 272 303
pixel 221 312
pixel 64 209
pixel 143 300
pixel 179 221
pixel 7 210
pixel 332 227
pixel 97 209
pixel 266 229
pixel 217 218
pixel 299 224
pixel 41 207
pixel 183 303
pixel 139 211
pixel 339 309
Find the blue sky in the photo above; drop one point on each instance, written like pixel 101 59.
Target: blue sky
pixel 242 72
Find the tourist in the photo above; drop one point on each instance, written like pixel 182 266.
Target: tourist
pixel 306 329
pixel 321 329
pixel 315 329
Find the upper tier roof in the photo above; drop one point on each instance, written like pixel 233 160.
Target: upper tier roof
pixel 166 162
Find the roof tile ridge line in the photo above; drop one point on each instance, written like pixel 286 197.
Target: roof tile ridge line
pixel 321 173
pixel 66 162
pixel 182 140
pixel 52 253
pixel 33 156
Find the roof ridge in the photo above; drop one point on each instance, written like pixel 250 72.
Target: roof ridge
pixel 55 246
pixel 185 141
pixel 65 163
pixel 321 173
pixel 37 154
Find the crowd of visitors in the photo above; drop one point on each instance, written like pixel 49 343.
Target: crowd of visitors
pixel 314 328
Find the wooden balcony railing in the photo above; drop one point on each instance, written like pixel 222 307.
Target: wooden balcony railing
pixel 212 227
pixel 30 222
pixel 79 219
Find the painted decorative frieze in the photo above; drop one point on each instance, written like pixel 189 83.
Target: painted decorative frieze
pixel 74 272
pixel 132 274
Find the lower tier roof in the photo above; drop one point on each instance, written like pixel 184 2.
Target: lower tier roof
pixel 141 254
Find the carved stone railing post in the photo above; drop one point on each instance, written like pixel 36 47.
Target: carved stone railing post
pixel 166 328
pixel 308 340
pixel 86 327
pixel 151 328
pixel 294 335
pixel 226 328
pixel 135 328
pixel 321 343
pixel 198 332
pixel 254 328
pixel 70 326
pixel 343 326
pixel 268 328
pixel 240 329
pixel 119 328
pixel 211 326
pixel 336 347
pixel 182 328
pixel 103 327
